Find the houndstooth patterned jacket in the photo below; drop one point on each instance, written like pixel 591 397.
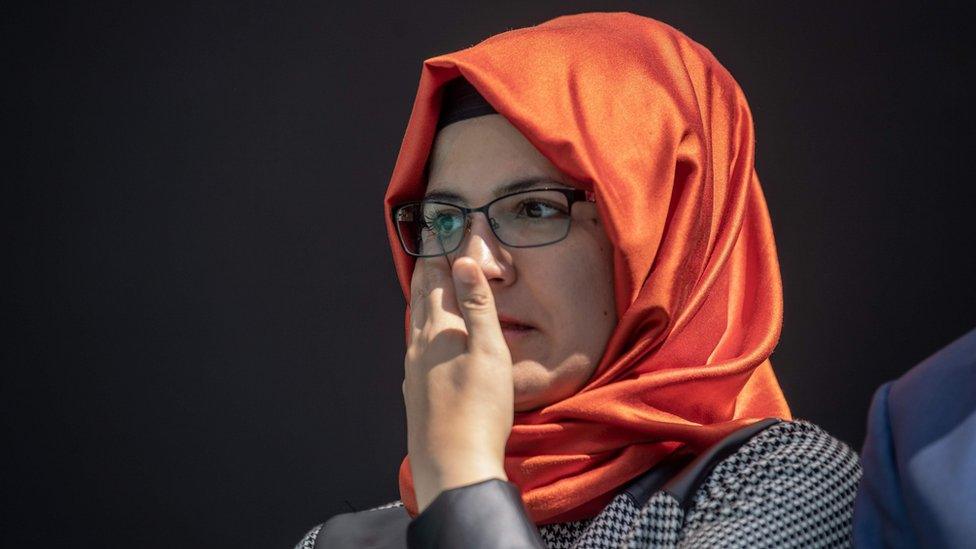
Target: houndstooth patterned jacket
pixel 772 484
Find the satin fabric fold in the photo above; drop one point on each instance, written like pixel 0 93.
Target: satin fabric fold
pixel 649 121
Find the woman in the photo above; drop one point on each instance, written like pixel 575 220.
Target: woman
pixel 593 295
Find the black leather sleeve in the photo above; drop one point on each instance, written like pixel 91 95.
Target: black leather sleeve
pixel 485 515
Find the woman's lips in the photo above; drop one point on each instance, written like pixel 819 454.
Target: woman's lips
pixel 514 326
pixel 514 331
pixel 512 322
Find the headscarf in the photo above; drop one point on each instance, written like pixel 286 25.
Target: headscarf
pixel 648 119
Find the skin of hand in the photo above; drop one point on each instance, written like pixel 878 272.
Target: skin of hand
pixel 457 386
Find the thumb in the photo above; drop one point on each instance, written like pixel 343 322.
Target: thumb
pixel 477 305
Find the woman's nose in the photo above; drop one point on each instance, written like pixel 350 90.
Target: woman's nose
pixel 480 244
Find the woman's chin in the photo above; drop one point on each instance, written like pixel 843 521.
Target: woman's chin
pixel 527 405
pixel 532 382
pixel 537 386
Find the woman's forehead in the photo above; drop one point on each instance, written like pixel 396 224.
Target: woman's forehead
pixel 486 157
pixel 462 193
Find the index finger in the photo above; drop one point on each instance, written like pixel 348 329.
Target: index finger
pixel 440 290
pixel 418 292
pixel 477 303
pixel 429 275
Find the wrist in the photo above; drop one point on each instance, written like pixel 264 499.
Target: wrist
pixel 469 474
pixel 428 485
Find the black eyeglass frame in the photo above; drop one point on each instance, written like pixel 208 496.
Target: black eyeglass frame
pixel 572 196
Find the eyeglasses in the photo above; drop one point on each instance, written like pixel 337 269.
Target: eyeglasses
pixel 525 219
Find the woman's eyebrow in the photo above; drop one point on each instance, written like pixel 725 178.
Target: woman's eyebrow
pixel 523 184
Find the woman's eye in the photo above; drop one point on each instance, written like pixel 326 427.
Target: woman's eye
pixel 444 223
pixel 534 208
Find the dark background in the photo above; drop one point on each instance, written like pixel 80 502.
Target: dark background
pixel 205 326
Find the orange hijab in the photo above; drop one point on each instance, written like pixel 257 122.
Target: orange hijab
pixel 658 129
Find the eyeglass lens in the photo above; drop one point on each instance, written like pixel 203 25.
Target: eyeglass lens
pixel 532 218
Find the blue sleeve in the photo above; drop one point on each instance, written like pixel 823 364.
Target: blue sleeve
pixel 919 457
pixel 880 519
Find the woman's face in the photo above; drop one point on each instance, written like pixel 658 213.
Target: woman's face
pixel 563 291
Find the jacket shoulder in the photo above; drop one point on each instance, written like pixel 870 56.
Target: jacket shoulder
pixel 787 452
pixel 791 483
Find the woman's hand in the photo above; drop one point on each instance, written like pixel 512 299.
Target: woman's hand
pixel 457 386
